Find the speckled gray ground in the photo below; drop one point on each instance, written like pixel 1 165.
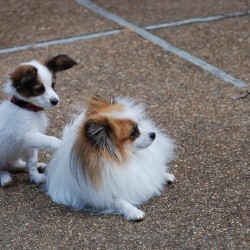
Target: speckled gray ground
pixel 27 21
pixel 144 12
pixel 208 206
pixel 224 43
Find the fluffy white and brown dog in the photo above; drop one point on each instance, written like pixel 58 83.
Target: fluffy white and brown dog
pixel 112 159
pixel 22 122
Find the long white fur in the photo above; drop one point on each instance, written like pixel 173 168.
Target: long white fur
pixel 123 187
pixel 22 131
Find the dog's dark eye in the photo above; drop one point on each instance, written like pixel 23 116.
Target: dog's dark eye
pixel 53 85
pixel 135 132
pixel 39 89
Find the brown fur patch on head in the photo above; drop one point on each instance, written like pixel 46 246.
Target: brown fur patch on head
pixel 97 105
pixel 102 138
pixel 26 81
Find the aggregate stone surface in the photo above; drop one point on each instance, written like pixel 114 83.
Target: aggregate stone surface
pixel 208 205
pixel 144 12
pixel 224 43
pixel 26 22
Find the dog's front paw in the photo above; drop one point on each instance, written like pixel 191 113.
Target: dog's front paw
pixel 37 178
pixel 56 143
pixel 134 214
pixel 5 179
pixel 170 177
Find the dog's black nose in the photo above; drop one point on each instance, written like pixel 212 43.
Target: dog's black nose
pixel 53 101
pixel 152 135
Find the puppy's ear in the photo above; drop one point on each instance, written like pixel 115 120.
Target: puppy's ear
pixel 23 75
pixel 98 131
pixel 60 63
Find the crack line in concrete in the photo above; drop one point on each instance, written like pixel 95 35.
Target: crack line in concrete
pixel 164 44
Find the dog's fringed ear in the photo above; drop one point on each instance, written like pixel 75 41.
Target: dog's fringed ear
pixel 60 63
pixel 98 132
pixel 23 75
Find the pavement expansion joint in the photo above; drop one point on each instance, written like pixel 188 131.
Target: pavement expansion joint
pixel 145 34
pixel 59 41
pixel 164 44
pixel 117 31
pixel 196 20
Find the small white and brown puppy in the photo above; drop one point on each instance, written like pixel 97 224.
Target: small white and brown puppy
pixel 31 88
pixel 112 159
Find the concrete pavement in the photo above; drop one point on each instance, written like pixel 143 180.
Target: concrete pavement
pixel 208 206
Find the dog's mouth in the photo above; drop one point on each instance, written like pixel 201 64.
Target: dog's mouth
pixel 46 104
pixel 52 104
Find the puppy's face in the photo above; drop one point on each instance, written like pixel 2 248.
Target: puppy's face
pixel 109 133
pixel 110 128
pixel 143 138
pixel 35 82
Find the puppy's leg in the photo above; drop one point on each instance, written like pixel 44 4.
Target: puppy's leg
pixel 41 141
pixel 5 179
pixel 21 165
pixel 169 177
pixel 128 210
pixel 35 176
